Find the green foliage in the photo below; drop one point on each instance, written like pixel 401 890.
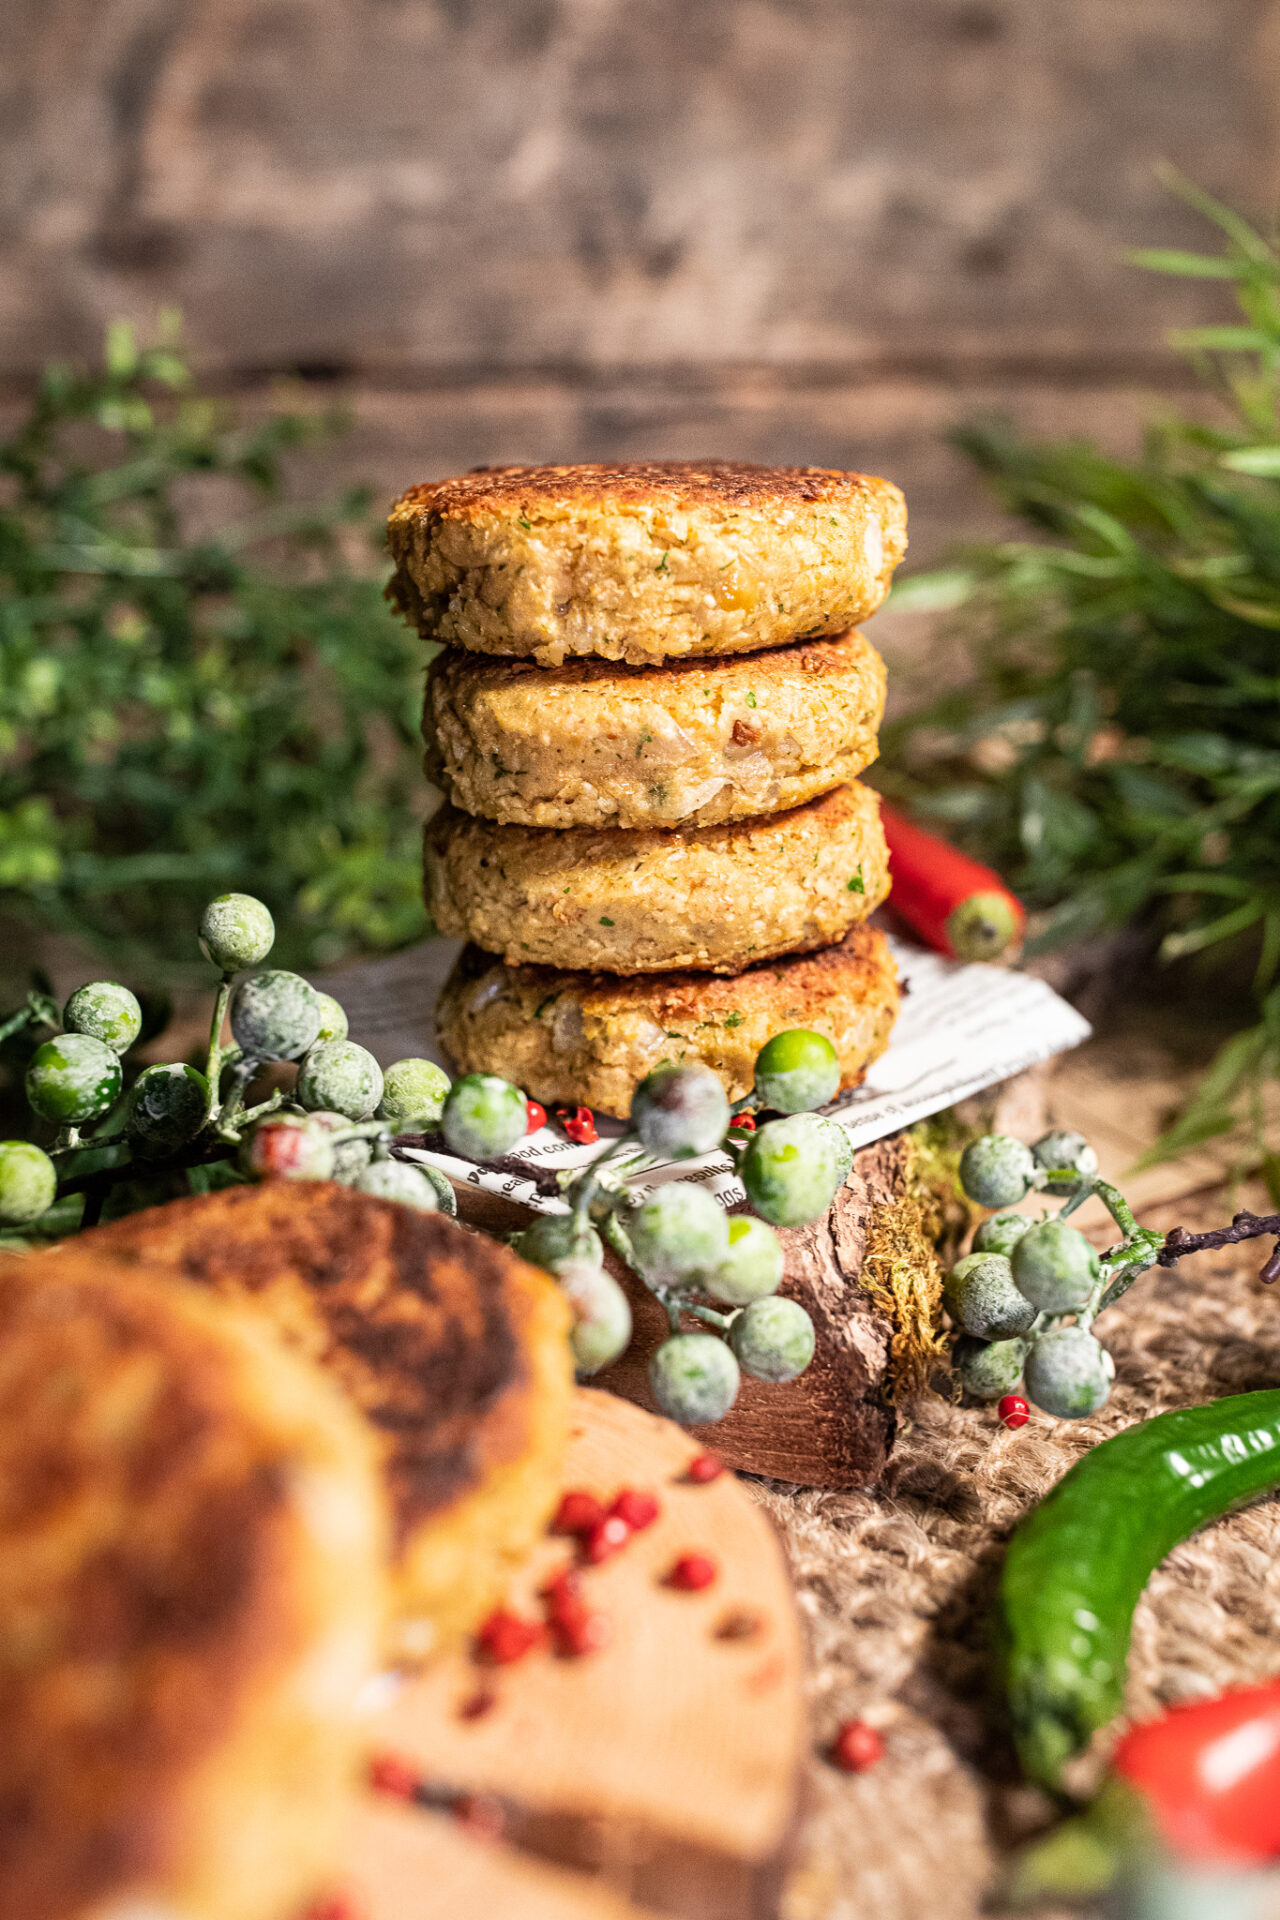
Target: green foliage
pixel 1117 750
pixel 200 688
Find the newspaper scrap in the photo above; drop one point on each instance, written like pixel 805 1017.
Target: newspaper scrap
pixel 961 1028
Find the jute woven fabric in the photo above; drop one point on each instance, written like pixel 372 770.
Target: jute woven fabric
pixel 896 1587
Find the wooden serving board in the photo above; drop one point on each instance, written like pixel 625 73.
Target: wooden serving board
pixel 834 1426
pixel 663 1768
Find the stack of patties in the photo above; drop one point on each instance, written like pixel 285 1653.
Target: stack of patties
pixel 647 720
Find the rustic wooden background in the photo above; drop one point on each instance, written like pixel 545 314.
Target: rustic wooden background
pixel 785 229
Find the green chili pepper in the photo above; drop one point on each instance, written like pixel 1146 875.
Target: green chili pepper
pixel 1076 1567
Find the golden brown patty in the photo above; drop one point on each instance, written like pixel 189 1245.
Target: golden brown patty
pixel 191 1593
pixel 709 897
pixel 455 1350
pixel 590 1038
pixel 643 561
pixel 590 744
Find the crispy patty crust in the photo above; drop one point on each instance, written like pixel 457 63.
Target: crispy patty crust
pixel 191 1594
pixel 643 561
pixel 590 1038
pixel 692 743
pixel 706 897
pixel 454 1350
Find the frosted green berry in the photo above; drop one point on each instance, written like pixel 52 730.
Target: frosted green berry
pixel 1068 1373
pixel 694 1377
pixel 28 1183
pixel 483 1117
pixel 236 931
pixel 797 1071
pixel 1065 1149
pixel 397 1180
pixel 997 1170
pixel 107 1011
pixel 337 1076
pixel 73 1079
pixel 679 1235
pixel 679 1112
pixel 333 1018
pixel 413 1095
pixel 989 1369
pixel 842 1148
pixel 1001 1233
pixel 752 1268
pixel 601 1315
pixel 167 1108
pixel 792 1169
pixel 1055 1267
pixel 275 1015
pixel 773 1339
pixel 554 1237
pixel 287 1146
pixel 980 1293
pixel 350 1157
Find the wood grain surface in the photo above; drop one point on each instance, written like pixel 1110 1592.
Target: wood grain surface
pixel 665 1765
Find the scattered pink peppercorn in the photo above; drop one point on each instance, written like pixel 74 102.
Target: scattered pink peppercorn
pixel 391 1775
pixel 1013 1411
pixel 580 1125
pixel 637 1507
pixel 577 1513
pixel 745 1121
pixel 335 1906
pixel 606 1538
pixel 537 1115
pixel 477 1705
pixel 856 1747
pixel 505 1638
pixel 480 1814
pixel 692 1572
pixel 703 1469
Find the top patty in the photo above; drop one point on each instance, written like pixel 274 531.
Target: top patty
pixel 190 1599
pixel 690 743
pixel 452 1348
pixel 643 561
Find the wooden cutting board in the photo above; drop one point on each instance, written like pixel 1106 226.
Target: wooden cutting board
pixel 662 1770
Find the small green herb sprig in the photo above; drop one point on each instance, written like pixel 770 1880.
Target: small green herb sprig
pixel 1116 752
pixel 197 678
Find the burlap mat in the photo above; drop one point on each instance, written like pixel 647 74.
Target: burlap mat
pixel 896 1587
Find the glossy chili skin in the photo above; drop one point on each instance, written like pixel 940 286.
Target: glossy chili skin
pixel 1076 1567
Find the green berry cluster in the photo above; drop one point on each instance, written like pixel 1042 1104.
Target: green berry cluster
pixel 1026 1296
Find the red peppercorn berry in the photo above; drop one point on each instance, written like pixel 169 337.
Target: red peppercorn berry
pixel 638 1508
pixel 335 1906
pixel 537 1115
pixel 480 1814
pixel 606 1538
pixel 703 1469
pixel 1013 1411
pixel 577 1513
pixel 477 1705
pixel 576 1627
pixel 692 1572
pixel 857 1747
pixel 745 1121
pixel 505 1638
pixel 580 1125
pixel 391 1775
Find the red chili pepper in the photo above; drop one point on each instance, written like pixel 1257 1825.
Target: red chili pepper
pixel 857 1747
pixel 580 1125
pixel 1210 1774
pixel 1013 1411
pixel 577 1513
pixel 638 1508
pixel 505 1638
pixel 537 1115
pixel 391 1775
pixel 692 1572
pixel 606 1538
pixel 703 1469
pixel 955 904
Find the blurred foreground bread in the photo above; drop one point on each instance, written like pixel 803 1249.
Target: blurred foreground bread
pixel 645 560
pixel 592 1037
pixel 191 1595
pixel 453 1349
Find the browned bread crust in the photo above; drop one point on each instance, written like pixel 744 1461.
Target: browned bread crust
pixel 191 1558
pixel 453 1349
